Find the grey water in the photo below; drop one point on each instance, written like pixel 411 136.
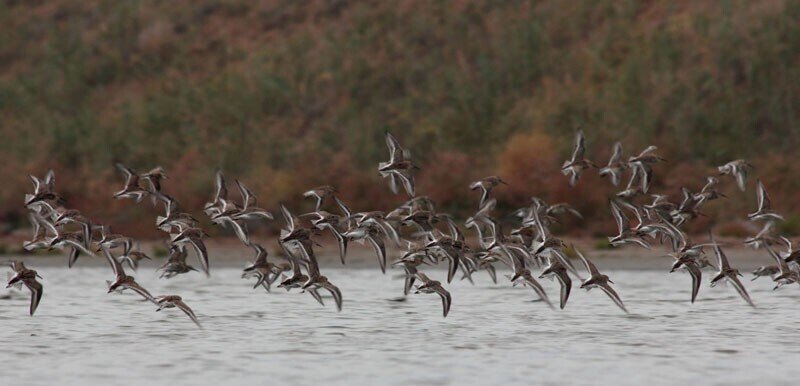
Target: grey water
pixel 494 334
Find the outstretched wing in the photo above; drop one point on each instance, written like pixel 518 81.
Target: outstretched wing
pixel 447 300
pixel 336 293
pixel 36 293
pixel 590 267
pixel 614 296
pixel 741 290
pixel 188 311
pixel 580 146
pixel 616 157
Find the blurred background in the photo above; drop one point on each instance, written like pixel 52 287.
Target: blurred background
pixel 287 95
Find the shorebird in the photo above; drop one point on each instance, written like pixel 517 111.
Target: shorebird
pixel 111 241
pixel 41 229
pixel 486 185
pixel 556 269
pixel 133 258
pixel 265 271
pixel 315 279
pixel 729 274
pixel 598 280
pixel 72 240
pixel 175 301
pixel 765 270
pixel 298 278
pixel 429 286
pixel 154 178
pixel 371 233
pixel 616 166
pixel 132 189
pixel 785 275
pixel 709 191
pixel 689 263
pixel 791 256
pixel 43 190
pixel 173 217
pixel 122 280
pixel 249 210
pixel 320 193
pixel 194 237
pixel 764 211
pixel 72 216
pixel 626 235
pixel 333 222
pixel 577 163
pixel 399 166
pixel 738 169
pixel 23 275
pixel 764 237
pixel 644 164
pixel 176 262
pixel 413 257
pixel 220 193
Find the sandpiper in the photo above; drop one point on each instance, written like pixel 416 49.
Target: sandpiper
pixel 577 163
pixel 598 280
pixel 23 275
pixel 764 211
pixel 320 193
pixel 429 286
pixel 122 280
pixel 132 189
pixel 175 301
pixel 738 169
pixel 729 274
pixel 486 185
pixel 616 166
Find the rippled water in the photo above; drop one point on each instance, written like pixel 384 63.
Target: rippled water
pixel 494 333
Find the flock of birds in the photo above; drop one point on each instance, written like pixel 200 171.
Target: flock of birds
pixel 424 235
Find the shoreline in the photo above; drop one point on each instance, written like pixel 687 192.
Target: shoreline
pixel 229 252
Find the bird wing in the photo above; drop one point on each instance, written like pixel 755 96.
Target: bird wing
pixel 613 295
pixel 220 190
pixel 36 293
pixel 140 290
pixel 186 310
pixel 288 217
pixel 241 231
pixel 781 263
pixel 395 150
pixel 530 281
pixel 247 195
pixel 617 155
pixel 580 146
pixel 722 260
pixel 741 290
pixel 447 300
pixel 115 264
pixel 619 217
pixel 336 293
pixel 697 276
pixel 763 197
pixel 380 250
pixel 311 259
pixel 741 177
pixel 202 253
pixel 590 267
pixel 566 286
pixel 407 181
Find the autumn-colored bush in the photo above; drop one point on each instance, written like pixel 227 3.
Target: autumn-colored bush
pixel 287 95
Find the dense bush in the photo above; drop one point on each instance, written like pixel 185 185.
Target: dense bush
pixel 289 94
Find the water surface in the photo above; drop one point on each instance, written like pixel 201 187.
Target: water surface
pixel 494 333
